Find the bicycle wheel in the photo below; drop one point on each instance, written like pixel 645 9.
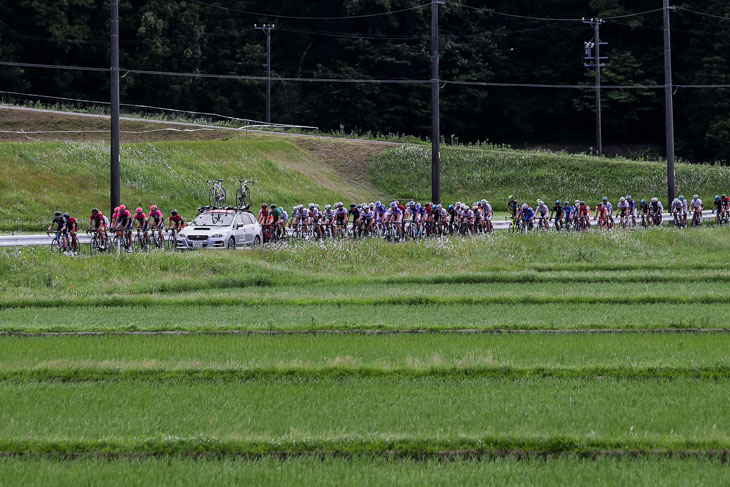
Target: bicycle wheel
pixel 211 197
pixel 222 197
pixel 239 198
pixel 55 246
pixel 171 243
pixel 245 197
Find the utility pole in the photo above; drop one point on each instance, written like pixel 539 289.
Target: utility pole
pixel 669 102
pixel 115 183
pixel 267 30
pixel 595 61
pixel 435 118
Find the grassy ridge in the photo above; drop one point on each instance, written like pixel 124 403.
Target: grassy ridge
pixel 366 471
pixel 664 413
pixel 345 317
pixel 472 174
pixel 36 179
pixel 353 351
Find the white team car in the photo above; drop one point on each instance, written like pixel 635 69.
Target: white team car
pixel 221 228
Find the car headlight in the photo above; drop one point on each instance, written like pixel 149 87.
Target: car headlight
pixel 217 235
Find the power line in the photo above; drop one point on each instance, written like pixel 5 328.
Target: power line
pixel 703 13
pixel 552 19
pixel 369 80
pixel 295 17
pixel 633 15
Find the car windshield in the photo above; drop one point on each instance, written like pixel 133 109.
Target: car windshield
pixel 213 219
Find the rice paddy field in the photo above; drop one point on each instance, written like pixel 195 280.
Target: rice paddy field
pixel 542 359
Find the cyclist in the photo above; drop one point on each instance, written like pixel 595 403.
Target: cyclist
pixel 176 221
pixel 527 216
pixel 367 218
pixel 341 217
pixel 632 209
pixel 608 209
pixel 124 223
pixel 677 209
pixel 655 211
pixel 157 222
pixel 354 213
pixel 115 217
pixel 61 229
pixel 600 215
pixel 557 211
pixel 274 221
pixel 314 217
pixel 513 206
pixel 623 211
pixel 263 214
pixel 395 215
pixel 696 206
pixel 644 210
pixel 328 216
pixel 72 226
pixel 142 223
pixel 488 214
pixel 725 203
pixel 569 213
pixel 99 223
pixel 452 216
pixel 283 221
pixel 542 212
pixel 584 215
pixel 718 208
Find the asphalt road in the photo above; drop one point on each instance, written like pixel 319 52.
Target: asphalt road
pixel 35 240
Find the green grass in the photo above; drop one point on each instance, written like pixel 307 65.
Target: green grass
pixel 369 414
pixel 366 471
pixel 93 358
pixel 37 179
pixel 470 174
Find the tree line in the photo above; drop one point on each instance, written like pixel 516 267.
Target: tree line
pixel 476 45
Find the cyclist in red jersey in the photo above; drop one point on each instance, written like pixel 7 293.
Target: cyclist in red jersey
pixel 176 220
pixel 263 214
pixel 73 228
pixel 97 221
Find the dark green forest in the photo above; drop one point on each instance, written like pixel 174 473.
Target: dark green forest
pixel 476 44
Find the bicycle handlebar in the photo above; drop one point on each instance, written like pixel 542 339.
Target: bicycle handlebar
pixel 214 181
pixel 247 181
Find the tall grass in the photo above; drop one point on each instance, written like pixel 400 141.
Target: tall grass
pixel 470 174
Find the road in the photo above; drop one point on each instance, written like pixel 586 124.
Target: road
pixel 35 240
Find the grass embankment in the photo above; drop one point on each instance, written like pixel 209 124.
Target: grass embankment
pixel 366 471
pixel 470 174
pixel 37 179
pixel 643 280
pixel 420 395
pixel 365 415
pixel 235 358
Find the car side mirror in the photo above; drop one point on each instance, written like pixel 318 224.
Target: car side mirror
pixel 239 225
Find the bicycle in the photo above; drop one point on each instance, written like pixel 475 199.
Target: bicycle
pixel 697 218
pixel 95 244
pixel 57 244
pixel 156 240
pixel 243 194
pixel 171 240
pixel 217 193
pixel 677 219
pixel 140 240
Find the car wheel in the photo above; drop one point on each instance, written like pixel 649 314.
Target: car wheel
pixel 257 241
pixel 231 243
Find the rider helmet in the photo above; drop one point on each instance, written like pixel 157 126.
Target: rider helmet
pixel 311 205
pixel 724 195
pixel 95 210
pixel 264 206
pixel 378 203
pixel 153 207
pixel 418 206
pixel 654 200
pixel 139 210
pixel 273 206
pixel 116 210
pixel 58 213
pixel 622 199
pixel 511 197
pixel 173 212
pixel 628 196
pixel 605 199
pixel 122 207
pixel 717 197
pixel 393 204
pixel 567 203
pixel 681 197
pixel 66 214
pixel 643 201
pixel 450 207
pixel 524 206
pixel 694 196
pixel 327 207
pixel 540 202
pixel 557 202
pixel 411 203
